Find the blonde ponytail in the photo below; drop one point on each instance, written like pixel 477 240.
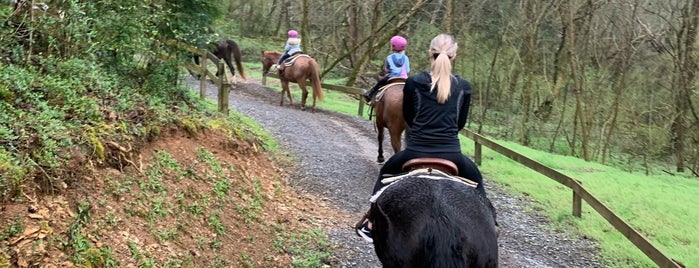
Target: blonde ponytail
pixel 442 50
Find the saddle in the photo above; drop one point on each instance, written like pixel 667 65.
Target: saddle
pixel 290 61
pixel 425 167
pixel 430 163
pixel 391 81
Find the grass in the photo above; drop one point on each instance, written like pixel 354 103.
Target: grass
pixel 661 207
pixel 310 248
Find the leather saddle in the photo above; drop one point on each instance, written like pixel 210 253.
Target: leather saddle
pixel 429 163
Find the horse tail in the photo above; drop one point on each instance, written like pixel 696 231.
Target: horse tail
pixel 315 79
pixel 237 57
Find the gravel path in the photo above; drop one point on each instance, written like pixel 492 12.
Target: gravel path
pixel 336 155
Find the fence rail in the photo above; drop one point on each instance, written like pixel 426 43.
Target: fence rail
pixel 579 193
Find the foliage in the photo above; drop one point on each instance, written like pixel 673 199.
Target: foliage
pixel 82 72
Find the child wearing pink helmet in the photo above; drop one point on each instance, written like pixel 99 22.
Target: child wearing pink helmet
pixel 397 65
pixel 293 45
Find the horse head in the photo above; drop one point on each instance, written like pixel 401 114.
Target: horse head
pixel 268 59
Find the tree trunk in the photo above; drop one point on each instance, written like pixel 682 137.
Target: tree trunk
pixel 447 22
pixel 515 73
pixel 484 97
pixel 354 27
pixel 684 78
pixel 304 27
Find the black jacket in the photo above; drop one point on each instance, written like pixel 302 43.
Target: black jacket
pixel 434 127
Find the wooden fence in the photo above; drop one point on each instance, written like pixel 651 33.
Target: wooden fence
pixel 344 89
pixel 579 194
pixel 203 72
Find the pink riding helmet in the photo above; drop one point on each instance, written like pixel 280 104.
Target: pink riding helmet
pixel 398 43
pixel 293 34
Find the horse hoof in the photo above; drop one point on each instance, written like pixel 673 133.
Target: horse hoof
pixel 303 108
pixel 380 159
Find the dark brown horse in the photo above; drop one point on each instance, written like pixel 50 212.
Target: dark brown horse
pixel 428 219
pixel 388 106
pixel 224 49
pixel 298 69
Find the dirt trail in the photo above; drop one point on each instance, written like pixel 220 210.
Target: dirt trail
pixel 336 154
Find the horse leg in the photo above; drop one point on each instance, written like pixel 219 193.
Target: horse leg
pixel 285 88
pixel 304 94
pixel 266 65
pixel 227 59
pixel 379 137
pixel 395 133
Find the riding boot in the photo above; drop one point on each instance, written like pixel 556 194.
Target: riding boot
pixel 368 96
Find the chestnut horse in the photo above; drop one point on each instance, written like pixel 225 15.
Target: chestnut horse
pixel 224 49
pixel 428 219
pixel 388 105
pixel 298 69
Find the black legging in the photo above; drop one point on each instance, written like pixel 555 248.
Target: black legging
pixel 467 168
pixel 283 58
pixel 382 82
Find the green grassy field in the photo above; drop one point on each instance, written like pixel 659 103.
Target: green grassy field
pixel 661 207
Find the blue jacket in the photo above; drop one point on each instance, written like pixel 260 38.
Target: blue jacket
pixel 397 65
pixel 292 46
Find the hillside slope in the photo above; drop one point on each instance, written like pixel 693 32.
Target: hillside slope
pixel 194 201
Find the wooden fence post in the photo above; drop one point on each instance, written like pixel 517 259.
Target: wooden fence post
pixel 577 203
pixel 223 88
pixel 202 77
pixel 478 152
pixel 360 111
